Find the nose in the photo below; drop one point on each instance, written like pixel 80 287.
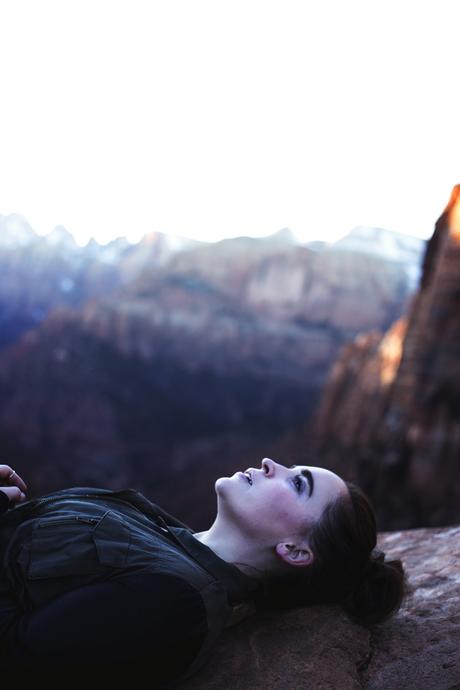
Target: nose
pixel 268 466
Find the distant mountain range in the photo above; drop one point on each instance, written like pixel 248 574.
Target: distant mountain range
pixel 171 358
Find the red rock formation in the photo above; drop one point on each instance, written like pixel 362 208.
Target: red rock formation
pixel 372 360
pixel 390 414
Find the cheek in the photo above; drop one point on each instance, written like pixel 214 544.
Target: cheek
pixel 271 508
pixel 277 506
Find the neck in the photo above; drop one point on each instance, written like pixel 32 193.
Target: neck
pixel 232 546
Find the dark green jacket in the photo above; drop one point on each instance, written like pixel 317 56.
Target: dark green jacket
pixel 67 539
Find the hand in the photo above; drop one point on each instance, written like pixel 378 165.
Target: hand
pixel 15 484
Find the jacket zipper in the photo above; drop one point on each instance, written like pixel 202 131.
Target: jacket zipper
pixel 65 521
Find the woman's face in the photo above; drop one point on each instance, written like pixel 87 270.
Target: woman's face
pixel 274 502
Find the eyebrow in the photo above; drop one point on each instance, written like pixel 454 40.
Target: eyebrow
pixel 309 477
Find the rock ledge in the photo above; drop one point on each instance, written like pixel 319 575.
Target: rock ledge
pixel 319 648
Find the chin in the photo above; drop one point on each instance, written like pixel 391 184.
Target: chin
pixel 222 485
pixel 220 482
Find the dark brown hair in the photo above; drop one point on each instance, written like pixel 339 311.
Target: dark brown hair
pixel 347 568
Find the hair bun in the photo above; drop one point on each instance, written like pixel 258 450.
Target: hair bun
pixel 378 591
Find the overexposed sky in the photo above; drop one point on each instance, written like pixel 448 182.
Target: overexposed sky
pixel 213 118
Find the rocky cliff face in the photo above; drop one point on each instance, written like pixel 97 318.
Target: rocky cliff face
pixel 320 648
pixel 283 280
pixel 390 413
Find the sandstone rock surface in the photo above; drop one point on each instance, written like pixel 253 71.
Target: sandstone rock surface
pixel 319 648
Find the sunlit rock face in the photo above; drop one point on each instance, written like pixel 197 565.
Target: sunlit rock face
pixel 319 647
pixel 359 385
pixel 390 413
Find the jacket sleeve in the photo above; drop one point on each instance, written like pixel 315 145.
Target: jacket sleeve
pixel 139 630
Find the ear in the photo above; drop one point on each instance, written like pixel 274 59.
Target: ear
pixel 299 555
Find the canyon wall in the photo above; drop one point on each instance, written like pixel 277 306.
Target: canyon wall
pixel 390 412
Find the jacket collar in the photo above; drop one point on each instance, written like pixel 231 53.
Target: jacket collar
pixel 239 586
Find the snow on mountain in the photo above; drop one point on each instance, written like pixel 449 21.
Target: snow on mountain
pixel 61 237
pixel 387 244
pixel 378 241
pixel 15 231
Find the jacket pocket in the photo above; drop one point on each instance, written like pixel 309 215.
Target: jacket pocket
pixel 76 545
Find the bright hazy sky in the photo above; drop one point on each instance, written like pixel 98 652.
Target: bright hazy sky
pixel 214 118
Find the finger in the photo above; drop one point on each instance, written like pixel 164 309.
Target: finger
pixel 6 470
pixel 14 493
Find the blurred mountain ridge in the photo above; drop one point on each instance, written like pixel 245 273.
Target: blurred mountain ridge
pixel 145 360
